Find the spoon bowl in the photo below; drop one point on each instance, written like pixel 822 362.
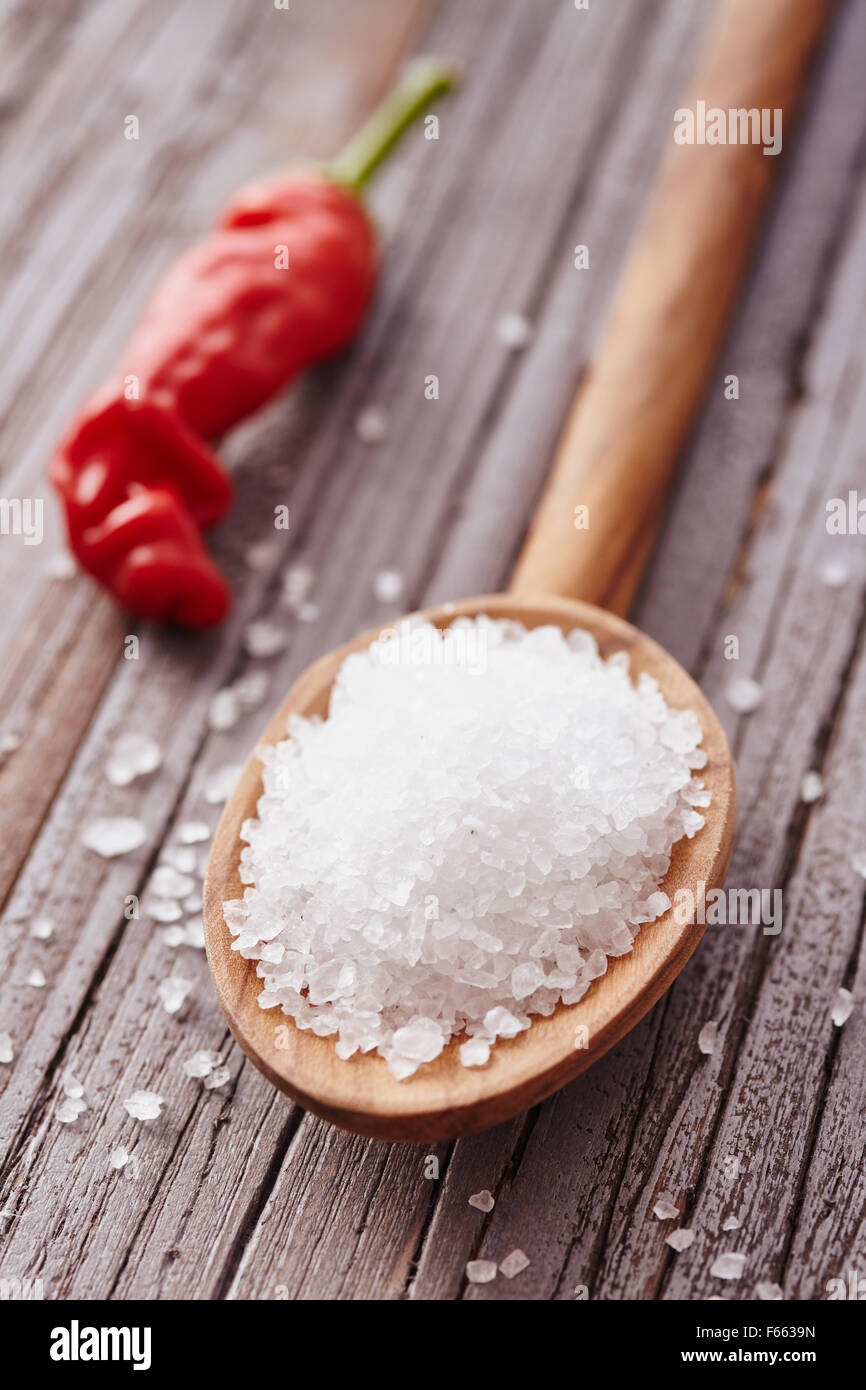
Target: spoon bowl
pixel 444 1099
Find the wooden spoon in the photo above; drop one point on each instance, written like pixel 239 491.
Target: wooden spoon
pixel 616 456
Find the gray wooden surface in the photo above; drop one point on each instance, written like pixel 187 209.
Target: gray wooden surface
pixel 234 1193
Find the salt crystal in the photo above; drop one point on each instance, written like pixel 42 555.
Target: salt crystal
pixel 114 835
pixel 833 573
pixel 858 863
pixel 144 1105
pixel 743 694
pixel 769 1293
pixel 193 832
pixel 202 1063
pixel 218 1077
pixel 35 978
pixel 173 991
pixel 297 582
pixel 193 903
pixel 707 1038
pixel 251 689
pixel 728 1266
pixel 7 1052
pixel 265 639
pixel 9 743
pixel 843 1007
pixel 164 910
pixel 193 933
pixel 371 425
pixel 309 613
pixel 173 936
pixel 731 1223
pixel 178 857
pixel 665 1208
pixel 513 1264
pixel 514 331
pixel 42 929
pixel 481 1271
pixel 261 554
pixel 388 586
pixel 483 1200
pixel 133 755
pixel 72 1088
pixel 61 566
pixel 475 1052
pixel 681 1239
pixel 220 785
pixel 168 882
pixel 426 856
pixel 68 1111
pixel 223 711
pixel 119 1157
pixel 811 787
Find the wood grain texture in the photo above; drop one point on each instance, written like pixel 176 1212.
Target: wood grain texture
pixel 236 1193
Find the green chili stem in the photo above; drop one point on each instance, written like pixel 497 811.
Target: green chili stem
pixel 420 84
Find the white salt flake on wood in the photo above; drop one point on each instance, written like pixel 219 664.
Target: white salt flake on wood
pixel 68 1111
pixel 132 755
pixel 173 991
pixel 769 1293
pixel 42 929
pixel 731 1223
pixel 201 1064
pixel 728 1266
pixel 193 832
pixel 681 1239
pixel 7 1050
pixel 834 573
pixel 514 331
pixel 111 836
pixel 388 586
pixel 842 1007
pixel 35 978
pixel 218 1077
pixel 811 787
pixel 483 1200
pixel 665 1208
pixel 743 694
pixel 481 1271
pixel 297 582
pixel 72 1087
pixel 858 863
pixel 119 1157
pixel 707 1038
pixel 144 1105
pixel 514 1264
pixel 264 639
pixel 220 785
pixel 372 425
pixel 224 711
pixel 168 882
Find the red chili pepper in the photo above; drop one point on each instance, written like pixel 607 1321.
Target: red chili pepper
pixel 284 279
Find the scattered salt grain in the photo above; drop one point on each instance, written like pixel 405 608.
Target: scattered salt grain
pixel 164 910
pixel 179 857
pixel 173 936
pixel 769 1293
pixel 833 573
pixel 665 1208
pixel 144 1105
pixel 72 1088
pixel 481 1271
pixel 168 882
pixel 218 1077
pixel 707 1038
pixel 193 933
pixel 731 1223
pixel 193 903
pixel 534 882
pixel 265 639
pixel 114 835
pixel 372 425
pixel 133 755
pixel 173 991
pixel 858 863
pixel 119 1157
pixel 220 785
pixel 514 1264
pixel 193 832
pixel 309 613
pixel 297 582
pixel 483 1200
pixel 843 1007
pixel 201 1064
pixel 35 978
pixel 42 929
pixel 68 1111
pixel 728 1266
pixel 251 689
pixel 743 694
pixel 811 787
pixel 9 743
pixel 514 331
pixel 224 710
pixel 61 566
pixel 388 586
pixel 7 1051
pixel 261 554
pixel 681 1239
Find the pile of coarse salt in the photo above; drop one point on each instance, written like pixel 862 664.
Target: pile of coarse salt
pixel 483 819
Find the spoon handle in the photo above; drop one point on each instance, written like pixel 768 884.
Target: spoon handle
pixel 642 387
